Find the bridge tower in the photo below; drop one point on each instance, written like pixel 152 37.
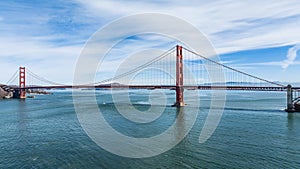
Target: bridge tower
pixel 22 80
pixel 290 105
pixel 179 77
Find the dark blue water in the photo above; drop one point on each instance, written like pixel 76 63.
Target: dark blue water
pixel 254 132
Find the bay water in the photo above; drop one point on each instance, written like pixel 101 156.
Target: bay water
pixel 254 132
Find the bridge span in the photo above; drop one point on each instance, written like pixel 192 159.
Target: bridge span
pixel 152 87
pixel 173 60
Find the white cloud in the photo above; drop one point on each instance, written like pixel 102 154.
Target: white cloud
pixel 230 25
pixel 291 56
pixel 277 63
pixel 52 62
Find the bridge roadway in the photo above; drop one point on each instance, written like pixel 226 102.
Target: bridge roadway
pixel 152 87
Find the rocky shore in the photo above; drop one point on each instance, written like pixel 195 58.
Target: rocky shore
pixel 7 92
pixel 29 91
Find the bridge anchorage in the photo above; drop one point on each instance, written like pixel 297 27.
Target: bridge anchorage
pixel 173 60
pixel 293 100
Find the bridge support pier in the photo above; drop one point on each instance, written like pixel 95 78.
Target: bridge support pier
pixel 179 78
pixel 290 105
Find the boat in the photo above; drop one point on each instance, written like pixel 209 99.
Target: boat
pixel 7 97
pixel 31 96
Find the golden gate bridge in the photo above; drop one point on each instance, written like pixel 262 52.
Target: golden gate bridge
pixel 177 69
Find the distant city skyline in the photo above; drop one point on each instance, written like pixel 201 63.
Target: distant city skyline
pixel 261 38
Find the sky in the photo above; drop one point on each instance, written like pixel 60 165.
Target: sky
pixel 258 37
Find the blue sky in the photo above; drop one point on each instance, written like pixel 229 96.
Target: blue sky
pixel 261 38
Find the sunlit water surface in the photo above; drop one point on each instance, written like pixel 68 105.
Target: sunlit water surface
pixel 254 132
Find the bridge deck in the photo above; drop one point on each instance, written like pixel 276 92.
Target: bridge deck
pixel 201 87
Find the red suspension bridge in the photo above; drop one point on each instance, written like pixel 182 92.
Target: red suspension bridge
pixel 178 69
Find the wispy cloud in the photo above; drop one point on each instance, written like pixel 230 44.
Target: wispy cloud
pixel 45 37
pixel 52 33
pixel 53 62
pixel 291 56
pixel 259 64
pixel 230 25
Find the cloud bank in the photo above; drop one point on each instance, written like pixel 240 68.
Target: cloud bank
pixel 230 25
pixel 52 34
